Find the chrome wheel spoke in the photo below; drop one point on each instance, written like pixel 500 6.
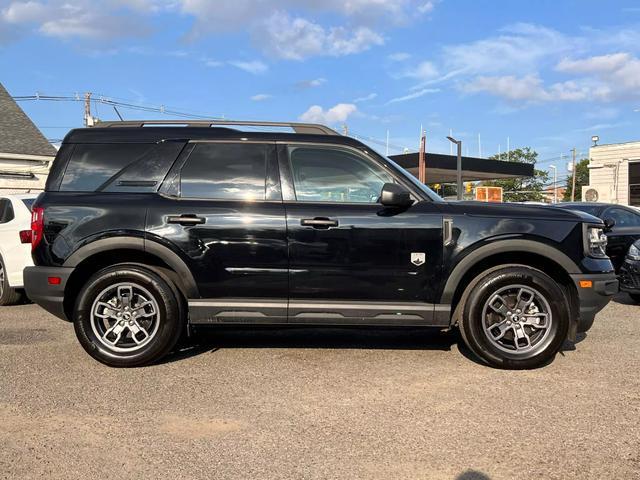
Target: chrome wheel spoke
pixel 536 320
pixel 107 311
pixel 500 328
pixel 499 305
pixel 141 310
pixel 520 334
pixel 138 334
pixel 113 335
pixel 524 299
pixel 125 293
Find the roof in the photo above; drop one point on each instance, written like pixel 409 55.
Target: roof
pixel 443 168
pixel 18 134
pixel 127 134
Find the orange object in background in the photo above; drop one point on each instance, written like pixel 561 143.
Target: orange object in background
pixel 489 194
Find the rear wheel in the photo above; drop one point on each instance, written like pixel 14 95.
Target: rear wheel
pixel 127 316
pixel 515 317
pixel 8 295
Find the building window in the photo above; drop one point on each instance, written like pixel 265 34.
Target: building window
pixel 634 183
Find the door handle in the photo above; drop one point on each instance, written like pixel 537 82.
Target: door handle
pixel 187 219
pixel 319 222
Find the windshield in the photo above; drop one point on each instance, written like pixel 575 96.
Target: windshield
pixel 433 196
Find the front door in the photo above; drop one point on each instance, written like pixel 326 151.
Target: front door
pixel 352 260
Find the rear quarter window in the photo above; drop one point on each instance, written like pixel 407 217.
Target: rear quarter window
pixel 6 211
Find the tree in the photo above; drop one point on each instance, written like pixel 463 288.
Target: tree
pixel 582 179
pixel 527 189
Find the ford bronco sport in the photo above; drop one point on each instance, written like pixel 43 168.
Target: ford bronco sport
pixel 147 229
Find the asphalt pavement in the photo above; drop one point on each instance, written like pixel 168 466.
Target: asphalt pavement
pixel 306 403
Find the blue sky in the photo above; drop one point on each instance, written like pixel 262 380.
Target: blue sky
pixel 546 74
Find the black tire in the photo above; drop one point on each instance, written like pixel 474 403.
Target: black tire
pixel 169 319
pixel 8 295
pixel 635 297
pixel 480 321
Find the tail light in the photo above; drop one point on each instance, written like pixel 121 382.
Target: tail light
pixel 25 236
pixel 37 226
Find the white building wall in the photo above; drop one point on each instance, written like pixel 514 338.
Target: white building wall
pixel 611 172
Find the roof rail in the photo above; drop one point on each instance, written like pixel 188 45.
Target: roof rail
pixel 304 128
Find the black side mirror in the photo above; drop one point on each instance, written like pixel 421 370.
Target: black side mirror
pixel 394 195
pixel 609 223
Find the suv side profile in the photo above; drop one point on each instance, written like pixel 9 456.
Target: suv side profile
pixel 148 229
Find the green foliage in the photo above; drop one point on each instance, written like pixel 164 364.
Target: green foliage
pixel 582 179
pixel 521 189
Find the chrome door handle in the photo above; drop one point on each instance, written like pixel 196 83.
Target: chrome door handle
pixel 319 222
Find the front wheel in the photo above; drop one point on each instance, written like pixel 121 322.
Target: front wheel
pixel 127 316
pixel 516 318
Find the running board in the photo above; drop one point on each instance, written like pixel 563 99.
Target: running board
pixel 317 312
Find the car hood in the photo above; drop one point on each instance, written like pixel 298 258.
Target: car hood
pixel 518 210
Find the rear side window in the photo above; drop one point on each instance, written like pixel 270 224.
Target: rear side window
pixel 225 171
pixel 93 165
pixel 6 211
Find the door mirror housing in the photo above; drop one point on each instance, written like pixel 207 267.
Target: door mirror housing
pixel 609 223
pixel 394 195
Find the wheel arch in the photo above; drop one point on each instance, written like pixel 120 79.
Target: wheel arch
pixel 529 253
pixel 110 251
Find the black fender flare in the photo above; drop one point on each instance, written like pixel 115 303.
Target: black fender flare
pixel 144 245
pixel 503 246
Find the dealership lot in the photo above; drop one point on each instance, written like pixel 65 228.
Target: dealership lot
pixel 318 403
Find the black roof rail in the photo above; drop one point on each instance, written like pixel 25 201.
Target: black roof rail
pixel 303 128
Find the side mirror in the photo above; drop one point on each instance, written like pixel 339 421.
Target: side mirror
pixel 609 223
pixel 394 195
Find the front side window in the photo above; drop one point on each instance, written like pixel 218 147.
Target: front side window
pixel 225 171
pixel 634 184
pixel 335 175
pixel 623 218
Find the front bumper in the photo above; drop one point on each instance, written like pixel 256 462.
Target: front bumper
pixel 593 298
pixel 630 276
pixel 41 291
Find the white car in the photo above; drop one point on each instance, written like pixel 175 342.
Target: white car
pixel 15 245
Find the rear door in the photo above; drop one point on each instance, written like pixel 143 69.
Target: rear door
pixel 221 210
pixel 353 260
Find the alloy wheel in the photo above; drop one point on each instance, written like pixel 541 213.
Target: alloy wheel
pixel 125 317
pixel 517 319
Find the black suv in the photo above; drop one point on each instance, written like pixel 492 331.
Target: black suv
pixel 147 229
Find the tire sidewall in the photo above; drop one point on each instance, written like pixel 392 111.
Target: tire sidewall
pixel 168 316
pixel 473 322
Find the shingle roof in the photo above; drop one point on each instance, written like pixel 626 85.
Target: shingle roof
pixel 18 134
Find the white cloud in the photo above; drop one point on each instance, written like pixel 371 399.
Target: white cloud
pixel 366 98
pixel 261 97
pixel 423 72
pixel 336 114
pixel 426 7
pixel 399 56
pixel 617 74
pixel 414 95
pixel 291 38
pixel 529 88
pixel 255 67
pixel 314 83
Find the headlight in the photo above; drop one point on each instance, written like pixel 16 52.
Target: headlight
pixel 596 242
pixel 634 252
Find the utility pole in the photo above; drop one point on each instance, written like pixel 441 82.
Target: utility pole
pixel 555 183
pixel 459 166
pixel 573 187
pixel 422 164
pixel 88 120
pixel 345 130
pixel 508 149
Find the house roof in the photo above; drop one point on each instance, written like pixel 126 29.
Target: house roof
pixel 18 134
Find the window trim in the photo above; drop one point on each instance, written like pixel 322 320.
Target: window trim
pixel 12 210
pixel 288 185
pixel 629 184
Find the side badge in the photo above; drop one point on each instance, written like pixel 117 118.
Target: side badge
pixel 418 258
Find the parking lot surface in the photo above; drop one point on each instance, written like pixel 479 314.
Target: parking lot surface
pixel 318 403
